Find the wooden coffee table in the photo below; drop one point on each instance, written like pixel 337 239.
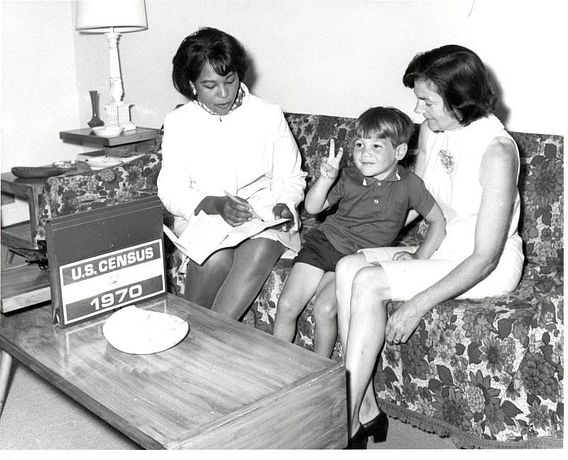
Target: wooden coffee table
pixel 226 385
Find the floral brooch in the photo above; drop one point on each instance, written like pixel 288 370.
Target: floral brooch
pixel 447 160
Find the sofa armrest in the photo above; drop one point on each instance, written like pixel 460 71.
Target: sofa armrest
pixel 66 195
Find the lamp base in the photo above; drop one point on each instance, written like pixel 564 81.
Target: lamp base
pixel 118 114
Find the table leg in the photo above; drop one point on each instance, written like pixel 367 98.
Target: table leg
pixel 5 365
pixel 9 257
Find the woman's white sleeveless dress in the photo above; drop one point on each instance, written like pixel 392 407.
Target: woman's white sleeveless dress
pixel 451 174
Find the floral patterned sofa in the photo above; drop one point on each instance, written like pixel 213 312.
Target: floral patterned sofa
pixel 66 195
pixel 486 373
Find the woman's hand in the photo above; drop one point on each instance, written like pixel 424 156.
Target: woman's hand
pixel 403 321
pixel 234 210
pixel 329 167
pixel 281 211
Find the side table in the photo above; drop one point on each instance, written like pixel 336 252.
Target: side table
pixel 24 285
pixel 125 144
pixel 21 235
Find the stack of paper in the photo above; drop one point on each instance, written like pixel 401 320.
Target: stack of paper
pixel 207 233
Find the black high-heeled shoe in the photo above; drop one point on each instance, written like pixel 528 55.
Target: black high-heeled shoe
pixel 358 440
pixel 377 428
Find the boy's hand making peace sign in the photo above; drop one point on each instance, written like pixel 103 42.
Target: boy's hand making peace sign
pixel 329 167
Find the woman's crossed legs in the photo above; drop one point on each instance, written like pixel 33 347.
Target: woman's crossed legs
pixel 362 292
pixel 230 279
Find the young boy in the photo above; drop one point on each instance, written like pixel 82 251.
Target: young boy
pixel 374 197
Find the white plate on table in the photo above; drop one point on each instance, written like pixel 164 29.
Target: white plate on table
pixel 142 332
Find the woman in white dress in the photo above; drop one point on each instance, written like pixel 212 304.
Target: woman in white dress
pixel 226 142
pixel 470 164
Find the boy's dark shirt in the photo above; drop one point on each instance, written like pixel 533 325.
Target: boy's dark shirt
pixel 371 213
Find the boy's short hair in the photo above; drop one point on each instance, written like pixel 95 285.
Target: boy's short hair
pixel 383 123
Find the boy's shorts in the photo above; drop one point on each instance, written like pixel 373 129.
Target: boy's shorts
pixel 318 252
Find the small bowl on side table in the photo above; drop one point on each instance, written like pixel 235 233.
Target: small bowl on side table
pixel 108 131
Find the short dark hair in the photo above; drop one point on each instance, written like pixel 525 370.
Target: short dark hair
pixel 222 51
pixel 459 77
pixel 385 123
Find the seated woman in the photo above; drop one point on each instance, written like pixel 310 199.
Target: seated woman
pixel 470 164
pixel 224 142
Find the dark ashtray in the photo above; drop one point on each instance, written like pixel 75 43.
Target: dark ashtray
pixel 59 167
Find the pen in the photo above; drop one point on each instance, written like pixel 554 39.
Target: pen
pixel 239 200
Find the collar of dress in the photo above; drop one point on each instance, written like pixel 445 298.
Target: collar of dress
pixel 236 104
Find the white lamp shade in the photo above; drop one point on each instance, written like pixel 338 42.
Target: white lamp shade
pixel 102 16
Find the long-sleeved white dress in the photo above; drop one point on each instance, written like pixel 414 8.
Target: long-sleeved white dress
pixel 249 152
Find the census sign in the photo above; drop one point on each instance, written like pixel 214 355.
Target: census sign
pixel 104 259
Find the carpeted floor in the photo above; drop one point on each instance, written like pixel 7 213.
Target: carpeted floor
pixel 38 416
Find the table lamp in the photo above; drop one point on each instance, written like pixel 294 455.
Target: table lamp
pixel 112 18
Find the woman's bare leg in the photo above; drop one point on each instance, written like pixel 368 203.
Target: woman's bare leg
pixel 369 407
pixel 252 263
pixel 366 333
pixel 300 287
pixel 345 272
pixel 365 336
pixel 202 282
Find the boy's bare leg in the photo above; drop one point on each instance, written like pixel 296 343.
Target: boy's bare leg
pixel 253 261
pixel 325 316
pixel 300 286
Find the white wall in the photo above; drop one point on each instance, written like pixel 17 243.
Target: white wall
pixel 334 57
pixel 339 57
pixel 39 88
pixel 39 82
